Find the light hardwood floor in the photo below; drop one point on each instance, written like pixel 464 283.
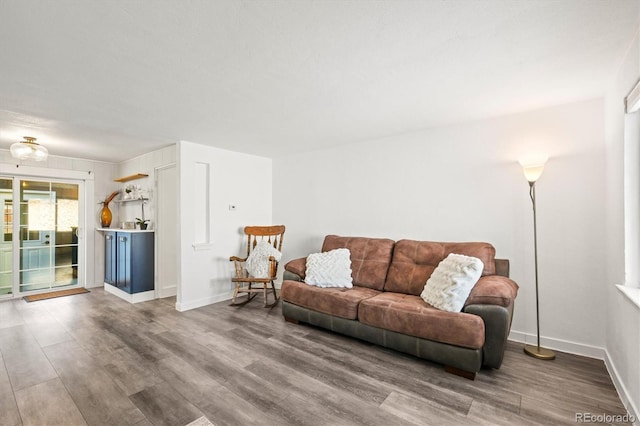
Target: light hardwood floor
pixel 95 359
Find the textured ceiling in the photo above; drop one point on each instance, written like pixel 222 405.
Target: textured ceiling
pixel 109 80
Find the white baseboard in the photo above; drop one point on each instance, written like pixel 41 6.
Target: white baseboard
pixel 623 393
pixel 559 345
pixel 193 304
pixel 167 292
pixel 143 296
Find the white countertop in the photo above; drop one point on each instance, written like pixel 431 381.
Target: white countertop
pixel 124 230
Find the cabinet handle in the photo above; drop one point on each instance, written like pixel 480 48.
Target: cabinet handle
pixel 108 237
pixel 123 239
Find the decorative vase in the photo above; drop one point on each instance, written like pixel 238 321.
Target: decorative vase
pixel 143 226
pixel 105 216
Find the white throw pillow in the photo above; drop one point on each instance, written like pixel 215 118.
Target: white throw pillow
pixel 329 269
pixel 452 281
pixel 257 263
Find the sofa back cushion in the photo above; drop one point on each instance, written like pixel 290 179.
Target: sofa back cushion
pixel 414 261
pixel 370 258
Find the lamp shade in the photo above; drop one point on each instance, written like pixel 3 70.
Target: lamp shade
pixel 533 168
pixel 28 149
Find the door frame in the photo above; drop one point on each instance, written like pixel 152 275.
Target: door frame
pixel 163 228
pixel 85 180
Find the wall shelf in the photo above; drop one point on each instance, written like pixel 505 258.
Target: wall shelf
pixel 131 177
pixel 130 200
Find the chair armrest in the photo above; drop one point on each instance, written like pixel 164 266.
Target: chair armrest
pixel 239 269
pixel 273 267
pixel 295 269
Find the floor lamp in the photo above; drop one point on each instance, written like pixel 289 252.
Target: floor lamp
pixel 533 171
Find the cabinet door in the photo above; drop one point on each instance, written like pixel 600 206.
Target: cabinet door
pixel 142 262
pixel 110 258
pixel 123 256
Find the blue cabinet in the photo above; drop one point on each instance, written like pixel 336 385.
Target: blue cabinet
pixel 110 258
pixel 129 261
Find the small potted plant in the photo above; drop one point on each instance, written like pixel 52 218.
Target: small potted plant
pixel 142 223
pixel 127 192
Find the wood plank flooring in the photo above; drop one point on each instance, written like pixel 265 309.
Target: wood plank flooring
pixel 95 359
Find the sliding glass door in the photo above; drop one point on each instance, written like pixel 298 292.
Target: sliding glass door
pixel 39 248
pixel 6 242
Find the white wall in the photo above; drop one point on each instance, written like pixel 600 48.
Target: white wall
pixel 463 183
pixel 235 178
pixel 623 319
pixel 144 164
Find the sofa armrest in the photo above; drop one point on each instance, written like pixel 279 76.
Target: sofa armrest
pixel 497 323
pixel 493 290
pixel 296 269
pixel 492 299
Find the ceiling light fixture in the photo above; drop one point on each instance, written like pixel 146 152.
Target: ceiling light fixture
pixel 28 149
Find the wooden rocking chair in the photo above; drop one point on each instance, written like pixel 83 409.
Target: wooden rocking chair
pixel 244 282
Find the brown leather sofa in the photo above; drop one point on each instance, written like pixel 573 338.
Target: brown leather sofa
pixel 384 306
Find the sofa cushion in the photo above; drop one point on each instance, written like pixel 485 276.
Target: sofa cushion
pixel 408 314
pixel 329 269
pixel 493 290
pixel 414 261
pixel 451 282
pixel 340 302
pixel 370 258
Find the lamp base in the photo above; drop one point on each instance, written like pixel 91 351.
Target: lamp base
pixel 539 353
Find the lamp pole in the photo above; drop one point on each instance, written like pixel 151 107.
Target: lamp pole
pixel 536 351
